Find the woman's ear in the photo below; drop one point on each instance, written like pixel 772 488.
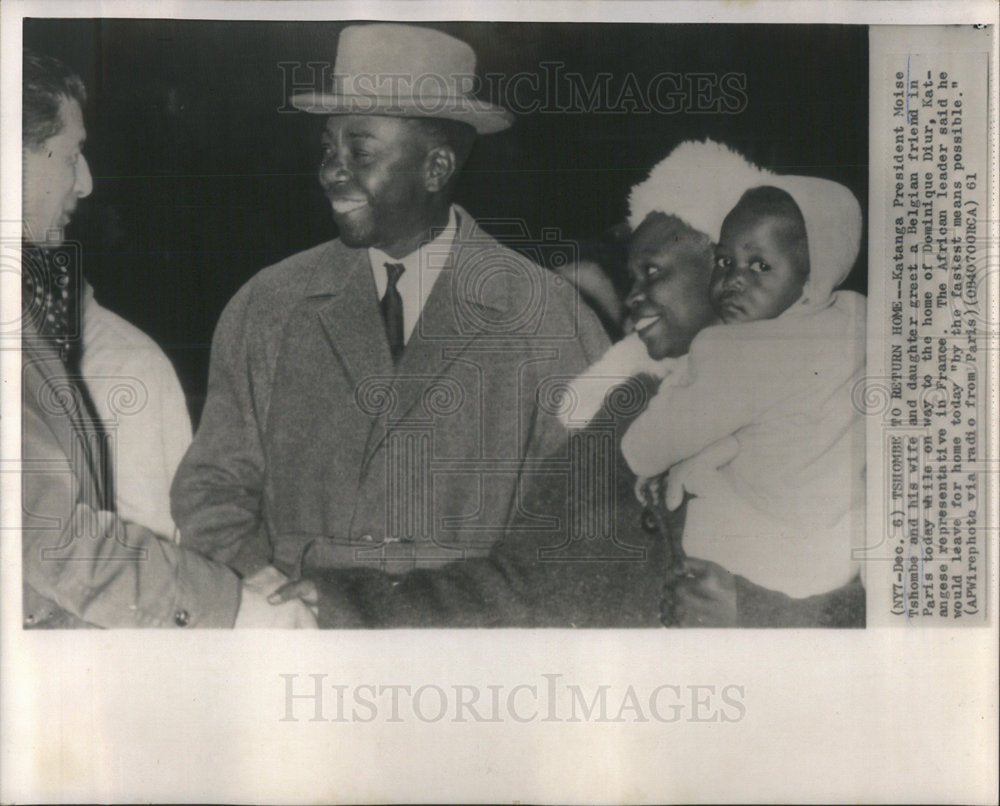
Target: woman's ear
pixel 439 166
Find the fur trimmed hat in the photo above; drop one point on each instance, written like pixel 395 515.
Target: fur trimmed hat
pixel 699 182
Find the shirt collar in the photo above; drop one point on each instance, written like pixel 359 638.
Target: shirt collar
pixel 422 269
pixel 431 257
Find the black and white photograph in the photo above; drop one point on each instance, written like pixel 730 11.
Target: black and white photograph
pixel 486 441
pixel 664 348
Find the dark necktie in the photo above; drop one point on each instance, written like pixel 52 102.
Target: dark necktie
pixel 392 310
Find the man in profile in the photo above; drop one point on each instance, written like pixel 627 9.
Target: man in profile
pixel 84 562
pixel 128 382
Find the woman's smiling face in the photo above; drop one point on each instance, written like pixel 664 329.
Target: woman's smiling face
pixel 671 267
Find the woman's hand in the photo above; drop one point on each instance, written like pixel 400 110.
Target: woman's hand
pixel 704 595
pixel 696 473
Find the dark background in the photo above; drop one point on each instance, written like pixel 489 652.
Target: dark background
pixel 199 182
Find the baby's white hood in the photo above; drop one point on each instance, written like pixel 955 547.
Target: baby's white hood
pixel 833 228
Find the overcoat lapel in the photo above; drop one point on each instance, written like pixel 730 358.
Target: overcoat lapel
pixel 438 338
pixel 341 302
pixel 44 378
pixel 435 342
pixel 349 315
pixel 433 345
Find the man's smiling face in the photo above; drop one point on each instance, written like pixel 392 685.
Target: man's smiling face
pixel 671 266
pixel 373 172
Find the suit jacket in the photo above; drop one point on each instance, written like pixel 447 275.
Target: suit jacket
pixel 315 448
pixel 87 567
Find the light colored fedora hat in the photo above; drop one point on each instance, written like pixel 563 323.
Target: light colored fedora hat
pixel 404 71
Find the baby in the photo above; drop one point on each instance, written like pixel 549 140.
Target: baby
pixel 760 425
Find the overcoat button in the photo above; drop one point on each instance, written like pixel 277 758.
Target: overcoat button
pixel 181 618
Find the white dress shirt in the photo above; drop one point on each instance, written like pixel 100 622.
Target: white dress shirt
pixel 141 404
pixel 422 269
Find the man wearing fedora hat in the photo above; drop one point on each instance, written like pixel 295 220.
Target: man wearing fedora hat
pixel 377 401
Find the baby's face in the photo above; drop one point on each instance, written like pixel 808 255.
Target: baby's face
pixel 759 269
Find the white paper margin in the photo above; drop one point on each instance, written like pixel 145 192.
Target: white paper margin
pixel 880 715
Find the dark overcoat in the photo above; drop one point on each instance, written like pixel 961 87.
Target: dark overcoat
pixel 314 447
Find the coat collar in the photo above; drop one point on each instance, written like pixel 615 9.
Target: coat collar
pixel 342 288
pixel 469 240
pixel 55 394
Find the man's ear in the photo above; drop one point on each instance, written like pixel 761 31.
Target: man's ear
pixel 440 165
